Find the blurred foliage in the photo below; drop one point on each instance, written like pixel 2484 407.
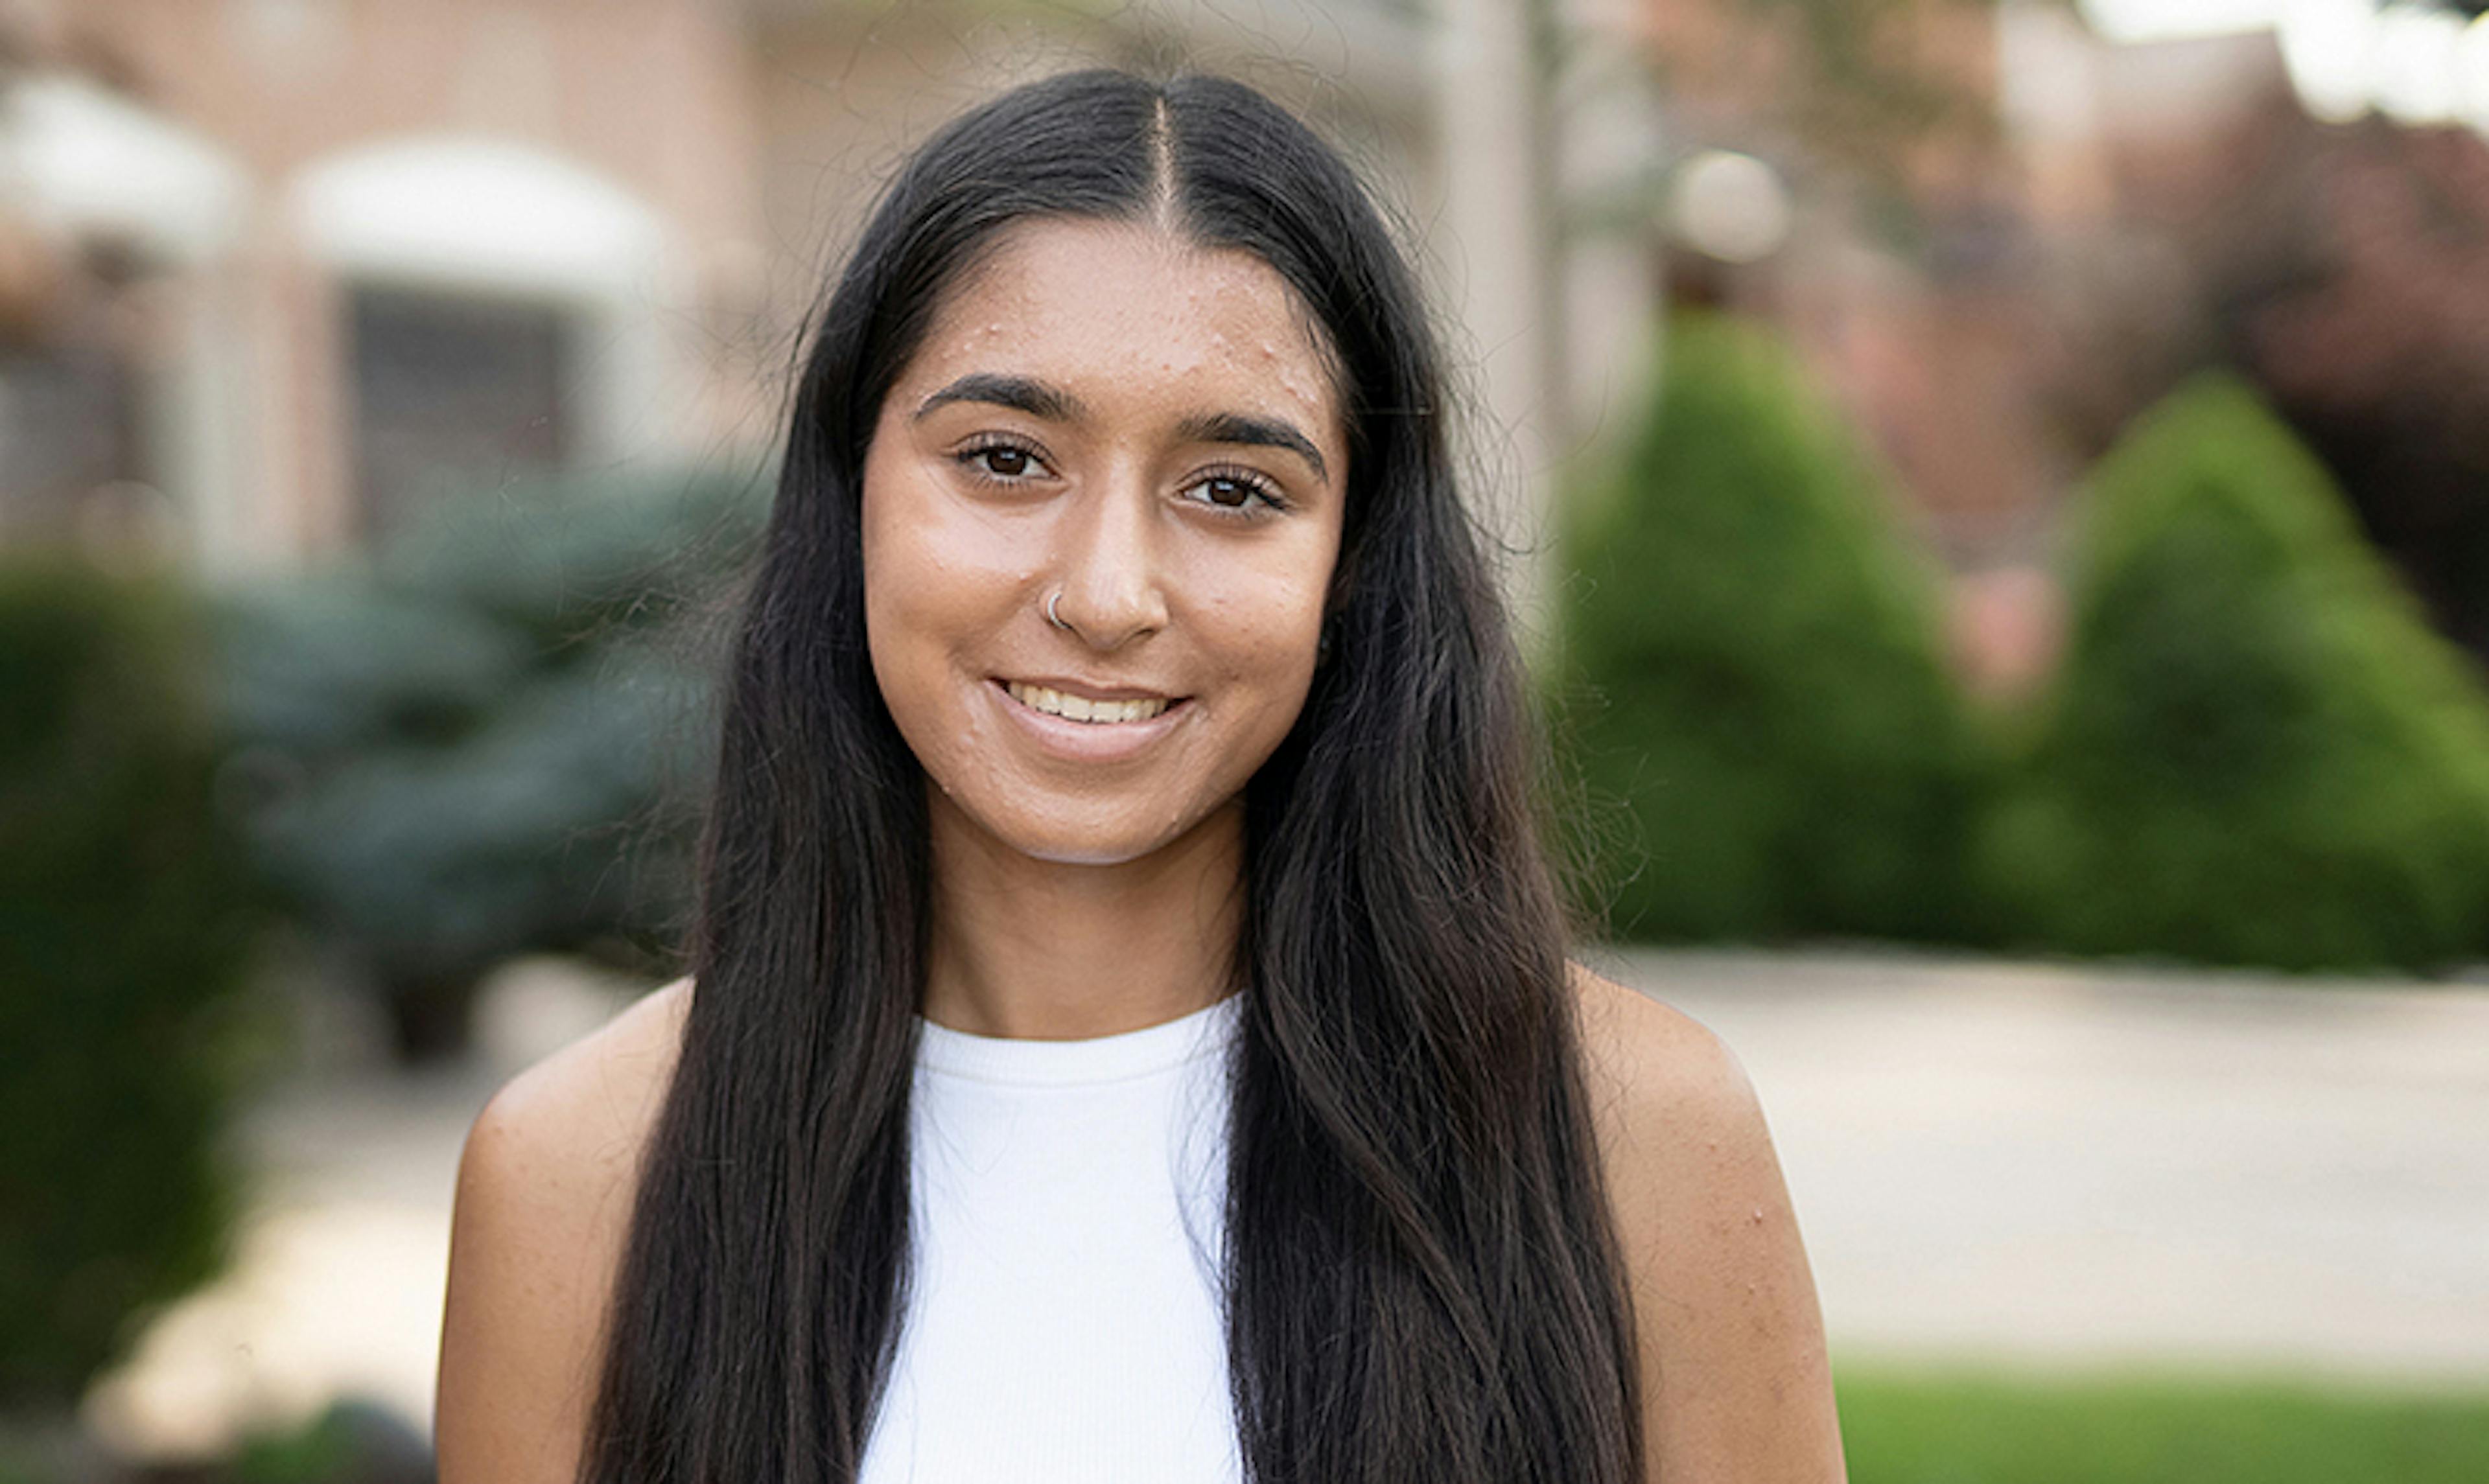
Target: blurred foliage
pixel 1917 1427
pixel 2257 751
pixel 1867 84
pixel 320 1452
pixel 1750 665
pixel 126 932
pixel 2342 269
pixel 486 740
pixel 2372 343
pixel 352 1442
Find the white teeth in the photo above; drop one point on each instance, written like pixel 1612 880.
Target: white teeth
pixel 1080 709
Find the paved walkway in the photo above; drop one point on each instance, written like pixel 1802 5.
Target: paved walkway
pixel 2021 1162
pixel 1990 1161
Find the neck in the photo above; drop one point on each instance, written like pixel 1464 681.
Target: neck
pixel 1048 950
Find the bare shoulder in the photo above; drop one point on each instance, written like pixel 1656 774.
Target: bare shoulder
pixel 1682 1132
pixel 545 1192
pixel 1646 1057
pixel 591 1102
pixel 1737 1383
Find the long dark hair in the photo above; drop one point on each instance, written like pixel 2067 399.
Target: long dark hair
pixel 1423 1282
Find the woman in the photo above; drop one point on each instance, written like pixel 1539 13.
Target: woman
pixel 1132 1035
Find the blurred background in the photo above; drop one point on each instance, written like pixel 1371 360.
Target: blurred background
pixel 1996 494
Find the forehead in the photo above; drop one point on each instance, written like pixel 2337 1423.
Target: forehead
pixel 1127 313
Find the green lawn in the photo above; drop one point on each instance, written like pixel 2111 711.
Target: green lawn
pixel 1903 1425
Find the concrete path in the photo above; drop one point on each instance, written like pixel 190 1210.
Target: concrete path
pixel 1991 1161
pixel 2054 1164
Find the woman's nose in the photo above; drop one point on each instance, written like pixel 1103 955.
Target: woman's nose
pixel 1108 590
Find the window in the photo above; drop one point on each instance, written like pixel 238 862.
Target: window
pixel 453 393
pixel 71 396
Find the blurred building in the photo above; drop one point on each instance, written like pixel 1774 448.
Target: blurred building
pixel 1999 231
pixel 2307 206
pixel 275 273
pixel 293 264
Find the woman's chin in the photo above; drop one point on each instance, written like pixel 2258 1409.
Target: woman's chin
pixel 1097 844
pixel 1114 836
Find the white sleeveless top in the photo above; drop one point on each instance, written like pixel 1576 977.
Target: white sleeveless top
pixel 1064 1321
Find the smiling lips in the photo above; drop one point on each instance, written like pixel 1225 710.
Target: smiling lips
pixel 1081 708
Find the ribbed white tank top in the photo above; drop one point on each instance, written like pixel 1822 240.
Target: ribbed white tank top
pixel 1064 1321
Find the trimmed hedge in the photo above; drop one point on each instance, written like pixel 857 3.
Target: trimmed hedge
pixel 1751 668
pixel 126 930
pixel 2257 751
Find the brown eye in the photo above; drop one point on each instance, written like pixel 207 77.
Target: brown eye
pixel 1236 493
pixel 999 463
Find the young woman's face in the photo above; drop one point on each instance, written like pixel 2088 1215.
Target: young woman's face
pixel 1141 436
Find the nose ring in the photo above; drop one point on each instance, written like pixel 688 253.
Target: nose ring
pixel 1052 616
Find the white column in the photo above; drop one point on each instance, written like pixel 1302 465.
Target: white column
pixel 1610 163
pixel 1495 251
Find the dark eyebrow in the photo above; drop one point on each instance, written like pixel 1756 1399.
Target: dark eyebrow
pixel 1032 397
pixel 1038 399
pixel 1251 431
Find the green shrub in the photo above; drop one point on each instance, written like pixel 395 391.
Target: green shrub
pixel 484 741
pixel 352 1442
pixel 2256 752
pixel 125 936
pixel 1750 664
